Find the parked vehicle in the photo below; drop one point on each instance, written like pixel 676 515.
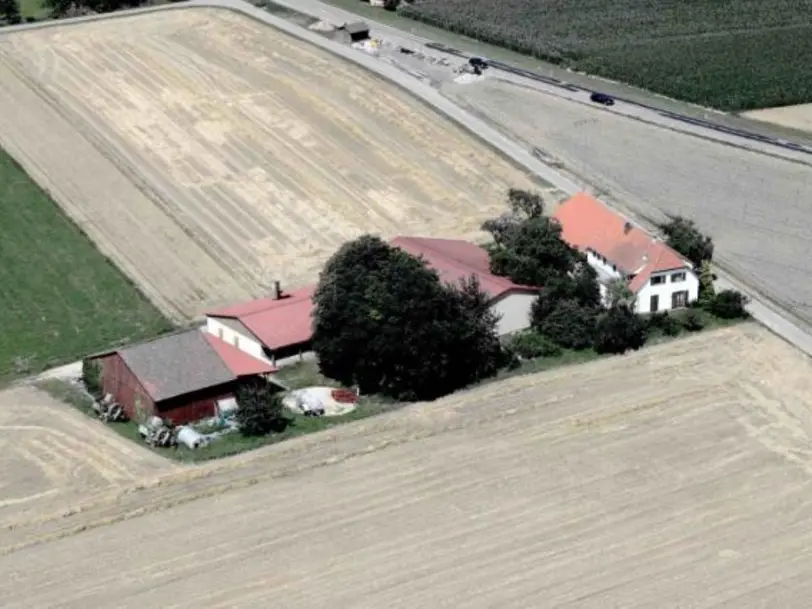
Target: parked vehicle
pixel 602 98
pixel 478 63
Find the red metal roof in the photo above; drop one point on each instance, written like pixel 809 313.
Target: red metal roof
pixel 276 323
pixel 287 321
pixel 586 223
pixel 455 260
pixel 237 361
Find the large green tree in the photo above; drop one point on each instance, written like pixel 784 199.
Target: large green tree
pixel 385 322
pixel 532 252
pixel 528 248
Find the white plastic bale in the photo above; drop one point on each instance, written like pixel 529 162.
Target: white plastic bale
pixel 190 438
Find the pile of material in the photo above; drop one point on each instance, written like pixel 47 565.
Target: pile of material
pixel 190 437
pixel 369 46
pixel 344 396
pixel 322 26
pixel 321 401
pixel 109 410
pixel 157 433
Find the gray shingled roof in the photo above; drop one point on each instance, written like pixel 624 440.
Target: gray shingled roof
pixel 175 365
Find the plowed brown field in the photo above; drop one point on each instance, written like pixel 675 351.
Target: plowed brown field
pixel 207 154
pixel 679 476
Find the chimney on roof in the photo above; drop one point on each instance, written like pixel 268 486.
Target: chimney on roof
pixel 276 294
pixel 627 227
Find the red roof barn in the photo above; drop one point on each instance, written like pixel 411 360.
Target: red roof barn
pixel 180 377
pixel 280 326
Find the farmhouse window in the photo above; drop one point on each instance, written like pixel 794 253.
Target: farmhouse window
pixel 220 333
pixel 657 280
pixel 237 341
pixel 677 277
pixel 679 299
pixel 654 304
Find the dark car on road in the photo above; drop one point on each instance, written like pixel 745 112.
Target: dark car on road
pixel 602 98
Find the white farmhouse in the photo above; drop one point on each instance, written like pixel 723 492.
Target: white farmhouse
pixel 658 277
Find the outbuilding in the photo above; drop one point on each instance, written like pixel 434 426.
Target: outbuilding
pixel 358 31
pixel 181 378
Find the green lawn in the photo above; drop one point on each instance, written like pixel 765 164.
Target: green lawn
pixel 60 298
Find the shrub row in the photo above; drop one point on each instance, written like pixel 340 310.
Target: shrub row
pixel 727 305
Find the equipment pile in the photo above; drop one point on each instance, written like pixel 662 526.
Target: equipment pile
pixel 108 410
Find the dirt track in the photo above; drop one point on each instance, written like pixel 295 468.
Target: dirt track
pixel 678 476
pixel 259 153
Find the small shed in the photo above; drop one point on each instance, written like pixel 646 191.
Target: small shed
pixel 357 30
pixel 182 377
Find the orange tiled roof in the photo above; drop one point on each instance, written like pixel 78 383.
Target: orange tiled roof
pixel 588 224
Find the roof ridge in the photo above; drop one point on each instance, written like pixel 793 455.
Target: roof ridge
pixel 427 244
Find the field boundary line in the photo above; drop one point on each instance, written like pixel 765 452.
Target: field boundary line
pixel 111 153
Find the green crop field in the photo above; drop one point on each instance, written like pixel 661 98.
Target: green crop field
pixel 60 298
pixel 728 54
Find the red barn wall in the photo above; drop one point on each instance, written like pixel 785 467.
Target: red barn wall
pixel 117 379
pixel 194 406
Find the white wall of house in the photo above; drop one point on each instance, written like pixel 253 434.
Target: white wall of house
pixel 514 311
pixel 234 333
pixel 664 285
pixel 602 265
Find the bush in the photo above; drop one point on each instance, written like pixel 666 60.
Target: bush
pixel 729 304
pixel 692 320
pixel 619 330
pixel 259 409
pixel 530 344
pixel 570 325
pixel 663 323
pixel 91 377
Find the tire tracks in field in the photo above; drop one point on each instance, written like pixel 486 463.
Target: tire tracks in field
pixel 500 405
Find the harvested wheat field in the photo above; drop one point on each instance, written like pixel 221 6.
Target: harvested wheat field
pixel 53 457
pixel 206 152
pixel 679 476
